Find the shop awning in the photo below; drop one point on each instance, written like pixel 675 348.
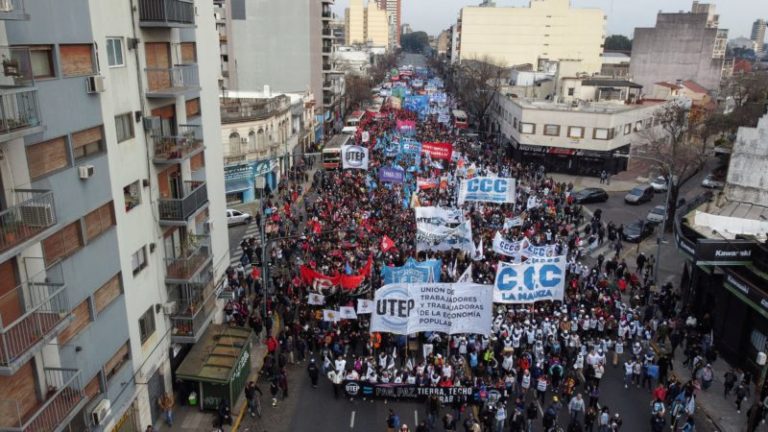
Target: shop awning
pixel 238 185
pixel 561 151
pixel 217 356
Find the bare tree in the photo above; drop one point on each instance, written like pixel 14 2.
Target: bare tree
pixel 358 90
pixel 476 83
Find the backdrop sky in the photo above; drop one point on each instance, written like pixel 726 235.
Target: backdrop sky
pixel 433 16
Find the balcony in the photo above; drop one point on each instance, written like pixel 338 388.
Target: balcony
pixel 196 304
pixel 19 113
pixel 30 316
pixel 176 211
pixel 172 149
pixel 171 82
pixel 63 398
pixel 194 256
pixel 327 33
pixel 28 221
pixel 166 13
pixel 13 10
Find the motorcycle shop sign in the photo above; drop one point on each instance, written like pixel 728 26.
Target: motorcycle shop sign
pixel 730 252
pixel 407 392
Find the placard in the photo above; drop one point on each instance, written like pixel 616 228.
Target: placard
pixel 487 189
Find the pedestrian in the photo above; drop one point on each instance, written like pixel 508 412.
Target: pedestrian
pixel 166 403
pixel 576 407
pixel 313 372
pixel 706 375
pixel 449 423
pixel 250 396
pixel 729 381
pixel 501 418
pixel 283 382
pixel 393 421
pixel 741 393
pixel 658 423
pixel 589 419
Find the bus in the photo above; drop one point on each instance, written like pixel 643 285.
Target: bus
pixel 460 119
pixel 332 151
pixel 354 119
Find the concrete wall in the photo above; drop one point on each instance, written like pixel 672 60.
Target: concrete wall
pixel 681 46
pixel 746 174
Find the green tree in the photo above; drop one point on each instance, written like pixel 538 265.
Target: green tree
pixel 416 42
pixel 618 43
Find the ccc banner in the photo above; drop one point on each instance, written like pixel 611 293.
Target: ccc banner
pixel 487 189
pixel 530 282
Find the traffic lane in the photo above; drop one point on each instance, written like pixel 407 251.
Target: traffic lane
pixel 616 210
pixel 236 234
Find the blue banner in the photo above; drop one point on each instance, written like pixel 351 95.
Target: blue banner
pixel 413 272
pixel 530 282
pixel 391 175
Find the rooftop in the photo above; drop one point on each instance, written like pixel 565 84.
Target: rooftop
pixel 726 219
pixel 610 83
pixel 589 107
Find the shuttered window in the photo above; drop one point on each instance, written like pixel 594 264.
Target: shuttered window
pixel 63 243
pixel 76 60
pixel 82 317
pixel 46 157
pixel 88 142
pixel 92 388
pixel 122 355
pixel 197 161
pixel 188 53
pixel 108 292
pixel 193 107
pixel 99 221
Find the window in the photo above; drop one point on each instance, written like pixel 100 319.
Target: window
pixel 122 355
pixel 88 142
pixel 575 132
pixel 188 53
pixel 139 260
pixel 47 157
pixel 115 52
pixel 193 108
pixel 571 91
pixel 63 243
pixel 527 128
pixel 514 123
pixel 638 125
pixel 551 130
pixel 41 57
pixel 108 292
pixel 76 60
pixel 81 320
pixel 601 134
pixel 147 324
pixel 99 221
pixel 124 126
pixel 132 195
pixel 627 128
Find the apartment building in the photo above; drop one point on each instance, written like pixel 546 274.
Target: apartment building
pixel 376 26
pixel 546 30
pixel 109 258
pixel 394 11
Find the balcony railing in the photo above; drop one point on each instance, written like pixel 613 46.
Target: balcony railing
pixel 327 33
pixel 166 13
pixel 19 113
pixel 30 314
pixel 187 142
pixel 190 261
pixel 180 209
pixel 194 311
pixel 34 213
pixel 62 397
pixel 13 10
pixel 173 81
pixel 17 67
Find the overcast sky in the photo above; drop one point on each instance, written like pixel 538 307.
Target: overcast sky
pixel 737 16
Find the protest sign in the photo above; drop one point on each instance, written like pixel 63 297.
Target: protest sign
pixel 364 306
pixel 413 272
pixel 354 157
pixel 316 299
pixel 391 175
pixel 530 282
pixel 443 238
pixel 513 222
pixel 330 315
pixel 546 251
pixel 487 189
pixel 508 248
pixel 437 150
pixel 438 307
pixel 439 216
pixel 407 392
pixel 347 312
pixel 466 277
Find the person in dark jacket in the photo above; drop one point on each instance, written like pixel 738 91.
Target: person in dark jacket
pixel 250 396
pixel 313 372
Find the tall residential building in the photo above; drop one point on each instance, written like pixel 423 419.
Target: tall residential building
pixel 286 45
pixel 394 9
pixel 376 26
pixel 546 30
pixel 368 24
pixel 758 34
pixel 354 22
pixel 682 46
pixel 112 236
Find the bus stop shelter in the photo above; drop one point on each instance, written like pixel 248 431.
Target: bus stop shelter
pixel 218 365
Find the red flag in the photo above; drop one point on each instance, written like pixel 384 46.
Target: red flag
pixel 387 243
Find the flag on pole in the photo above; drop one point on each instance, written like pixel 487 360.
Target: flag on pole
pixel 466 277
pixel 330 315
pixel 364 306
pixel 316 299
pixel 347 312
pixel 387 243
pixel 479 253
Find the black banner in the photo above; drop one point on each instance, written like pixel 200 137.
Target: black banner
pixel 409 392
pixel 723 252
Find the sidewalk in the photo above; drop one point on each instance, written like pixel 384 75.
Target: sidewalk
pixel 637 173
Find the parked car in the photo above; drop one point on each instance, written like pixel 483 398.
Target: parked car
pixel 656 214
pixel 236 217
pixel 712 182
pixel 638 231
pixel 660 184
pixel 639 194
pixel 590 195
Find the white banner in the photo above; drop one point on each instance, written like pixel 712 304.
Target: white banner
pixel 513 222
pixel 546 251
pixel 354 157
pixel 530 282
pixel 514 249
pixel 442 238
pixel 439 307
pixel 347 312
pixel 487 189
pixel 316 299
pixel 364 306
pixel 330 315
pixel 466 277
pixel 439 216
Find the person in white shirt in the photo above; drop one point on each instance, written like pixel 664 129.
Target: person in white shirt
pixel 340 364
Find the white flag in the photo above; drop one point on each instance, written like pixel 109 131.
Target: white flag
pixel 330 315
pixel 347 312
pixel 479 253
pixel 466 277
pixel 364 307
pixel 316 299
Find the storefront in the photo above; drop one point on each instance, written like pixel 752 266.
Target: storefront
pixel 572 161
pixel 247 181
pixel 217 367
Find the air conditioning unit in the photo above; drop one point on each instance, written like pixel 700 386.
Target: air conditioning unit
pixel 94 84
pixel 37 214
pixel 169 308
pixel 101 411
pixel 85 171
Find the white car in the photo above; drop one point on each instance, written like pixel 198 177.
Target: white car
pixel 711 182
pixel 656 215
pixel 236 217
pixel 660 184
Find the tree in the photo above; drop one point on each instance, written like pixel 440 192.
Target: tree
pixel 381 66
pixel 476 83
pixel 618 43
pixel 358 89
pixel 416 42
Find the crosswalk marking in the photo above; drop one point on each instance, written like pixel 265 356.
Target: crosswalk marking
pixel 236 252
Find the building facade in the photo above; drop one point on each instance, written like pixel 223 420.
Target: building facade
pixel 109 258
pixel 354 23
pixel 758 34
pixel 376 26
pixel 394 11
pixel 682 46
pixel 546 30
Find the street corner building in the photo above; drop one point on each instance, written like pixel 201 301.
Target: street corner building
pixel 112 236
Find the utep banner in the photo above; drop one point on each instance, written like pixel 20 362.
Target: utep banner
pixel 438 150
pixel 514 249
pixel 442 238
pixel 391 175
pixel 530 282
pixel 413 272
pixel 439 307
pixel 487 189
pixel 354 157
pixel 439 216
